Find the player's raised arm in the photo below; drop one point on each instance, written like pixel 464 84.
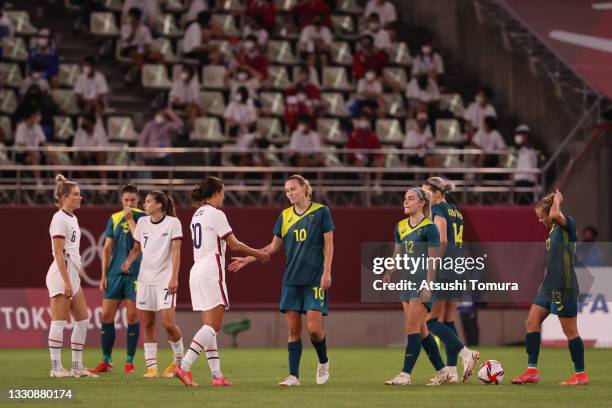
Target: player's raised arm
pixel 240 262
pixel 237 246
pixel 555 211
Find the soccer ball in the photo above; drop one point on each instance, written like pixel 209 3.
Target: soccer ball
pixel 491 372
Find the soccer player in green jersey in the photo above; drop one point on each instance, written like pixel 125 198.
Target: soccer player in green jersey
pixel 558 293
pixel 118 286
pixel 418 237
pixel 441 320
pixel 305 231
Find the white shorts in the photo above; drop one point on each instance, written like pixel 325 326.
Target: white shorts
pixel 207 293
pixel 55 283
pixel 153 297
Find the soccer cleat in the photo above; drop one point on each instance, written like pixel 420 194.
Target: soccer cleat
pixel 103 367
pixel 469 364
pixel 531 376
pixel 169 371
pixel 400 379
pixel 184 376
pixel 83 373
pixel 61 373
pixel 151 373
pixel 221 382
pixel 576 379
pixel 290 381
pixel 129 368
pixel 322 373
pixel 442 376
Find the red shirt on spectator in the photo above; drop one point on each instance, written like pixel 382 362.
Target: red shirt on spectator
pixel 363 61
pixel 255 60
pixel 264 9
pixel 305 11
pixel 362 139
pixel 301 99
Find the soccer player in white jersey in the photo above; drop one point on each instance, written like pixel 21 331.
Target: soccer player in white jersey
pixel 211 234
pixel 63 282
pixel 158 237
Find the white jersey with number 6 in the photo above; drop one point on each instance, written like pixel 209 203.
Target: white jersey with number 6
pixel 65 225
pixel 209 228
pixel 155 239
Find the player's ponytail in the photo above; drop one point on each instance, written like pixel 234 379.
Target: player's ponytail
pixel 303 183
pixel 205 190
pixel 167 202
pixel 170 206
pixel 62 189
pixel 440 184
pixel 546 203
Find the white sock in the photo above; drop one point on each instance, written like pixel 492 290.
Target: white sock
pixel 177 349
pixel 56 341
pixel 79 334
pixel 465 353
pixel 150 354
pixel 204 340
pixel 452 370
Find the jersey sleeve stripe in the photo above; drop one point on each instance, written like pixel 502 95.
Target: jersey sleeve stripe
pixel 177 238
pixel 58 236
pixel 227 234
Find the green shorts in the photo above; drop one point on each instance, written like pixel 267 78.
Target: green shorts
pixel 120 287
pixel 408 295
pixel 304 298
pixel 553 302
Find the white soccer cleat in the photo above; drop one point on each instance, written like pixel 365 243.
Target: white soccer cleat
pixel 400 379
pixel 84 373
pixel 290 381
pixel 442 376
pixel 322 373
pixel 469 363
pixel 61 373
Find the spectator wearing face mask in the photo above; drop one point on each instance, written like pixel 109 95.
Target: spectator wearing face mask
pixel 527 159
pixel 382 38
pixel 420 138
pixel 478 110
pixel 197 44
pixel 244 78
pixel 136 42
pixel 302 98
pixel 305 146
pixel 422 93
pixel 588 253
pixel 159 132
pixel 91 87
pixel 37 100
pixel 91 134
pixel 367 57
pixel 29 133
pixel 490 141
pixel 370 95
pixel 185 94
pixel 428 62
pixel 240 115
pixel 45 55
pixel 251 59
pixel 315 43
pixel 255 27
pixel 385 10
pixel 35 77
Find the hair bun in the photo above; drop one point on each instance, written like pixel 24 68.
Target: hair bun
pixel 59 178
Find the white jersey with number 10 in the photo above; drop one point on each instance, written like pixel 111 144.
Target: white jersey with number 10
pixel 209 228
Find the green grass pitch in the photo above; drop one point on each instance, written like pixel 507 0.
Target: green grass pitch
pixel 357 376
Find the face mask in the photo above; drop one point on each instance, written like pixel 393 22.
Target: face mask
pixel 374 26
pixel 426 50
pixel 159 119
pixel 302 128
pixel 86 70
pixel 242 76
pixel 43 42
pixel 518 139
pixel 184 76
pixel 363 124
pixel 249 45
pixel 370 75
pixel 480 99
pixel 301 97
pixel 238 98
pixel 36 75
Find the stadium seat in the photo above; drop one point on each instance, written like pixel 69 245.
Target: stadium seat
pixel 509 161
pixel 213 76
pixel 63 128
pixel 399 54
pixel 7 129
pixel 155 76
pixel 272 156
pixel 331 131
pixel 349 7
pixel 331 158
pixel 285 5
pixel 314 75
pixel 285 30
pixel 225 48
pixel 114 5
pixel 343 25
pixel 271 129
pixel 8 101
pixel 341 53
pixel 335 104
pixel 10 74
pixel 68 74
pixel 395 105
pixel 14 49
pixel 280 52
pixel 393 160
pixel 72 4
pixel 120 158
pixel 165 25
pixel 278 78
pixel 4 159
pixel 164 46
pixel 395 75
pixel 232 6
pixel 121 128
pixel 448 131
pixel 103 24
pixel 410 124
pixel 389 131
pixel 207 130
pixel 273 103
pixel 336 78
pixel 227 23
pixel 213 103
pixel 21 22
pixel 452 103
pixel 451 160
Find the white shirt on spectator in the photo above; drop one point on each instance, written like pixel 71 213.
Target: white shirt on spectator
pixel 382 39
pixel 41 82
pixel 194 9
pixel 431 93
pixel 489 142
pixel 192 38
pixel 140 39
pixel 241 113
pixel 527 160
pixel 423 64
pixel 29 136
pixel 91 88
pixel 364 86
pixel 415 139
pixel 310 34
pixel 97 139
pixel 148 7
pixel 305 142
pixel 185 93
pixel 386 11
pixel 251 84
pixel 475 114
pixel 261 35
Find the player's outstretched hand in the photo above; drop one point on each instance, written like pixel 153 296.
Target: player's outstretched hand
pixel 237 264
pixel 262 256
pixel 125 267
pixel 103 284
pixel 558 197
pixel 173 286
pixel 326 281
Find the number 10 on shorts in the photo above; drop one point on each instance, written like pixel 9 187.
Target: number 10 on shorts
pixel 319 293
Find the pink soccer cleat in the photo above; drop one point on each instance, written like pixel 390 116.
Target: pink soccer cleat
pixel 221 382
